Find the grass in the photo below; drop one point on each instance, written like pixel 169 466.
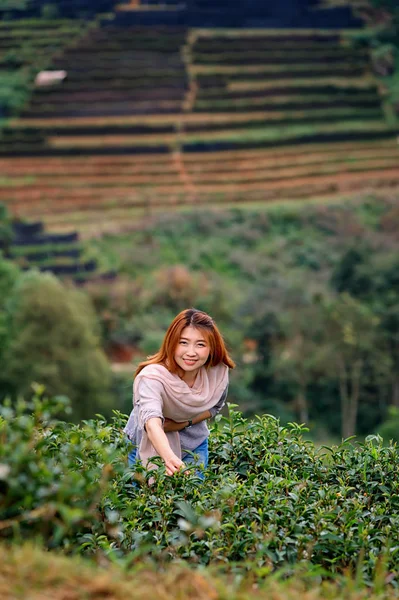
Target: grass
pixel 92 223
pixel 55 42
pixel 129 219
pixel 29 573
pixel 42 23
pixel 290 132
pixel 322 161
pixel 25 129
pixel 340 83
pixel 9 181
pixel 149 7
pixel 132 120
pixel 266 134
pixel 56 261
pixel 165 159
pixel 241 173
pixel 51 247
pixel 16 32
pixel 103 176
pixel 273 172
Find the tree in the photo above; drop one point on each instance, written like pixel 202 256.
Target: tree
pixel 373 278
pixel 350 341
pixel 284 321
pixel 295 353
pixel 53 340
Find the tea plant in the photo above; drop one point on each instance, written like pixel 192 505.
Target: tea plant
pixel 52 474
pixel 270 499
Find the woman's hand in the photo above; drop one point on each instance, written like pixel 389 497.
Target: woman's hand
pixel 173 464
pixel 170 425
pixel 161 444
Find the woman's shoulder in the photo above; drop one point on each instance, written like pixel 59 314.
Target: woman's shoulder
pixel 219 368
pixel 153 376
pixel 219 375
pixel 155 369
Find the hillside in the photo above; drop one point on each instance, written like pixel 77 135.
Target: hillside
pixel 161 116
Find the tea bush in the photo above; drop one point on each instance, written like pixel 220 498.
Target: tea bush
pixel 52 474
pixel 269 499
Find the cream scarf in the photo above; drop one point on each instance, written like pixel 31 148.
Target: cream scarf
pixel 179 401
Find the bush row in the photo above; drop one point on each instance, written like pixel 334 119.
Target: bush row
pixel 269 498
pixel 280 58
pixel 332 107
pixel 301 91
pixel 214 79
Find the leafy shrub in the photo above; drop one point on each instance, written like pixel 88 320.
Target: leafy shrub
pixel 52 475
pixel 389 429
pixel 15 89
pixel 270 498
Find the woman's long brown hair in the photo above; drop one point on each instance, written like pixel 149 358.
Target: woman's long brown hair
pixel 200 320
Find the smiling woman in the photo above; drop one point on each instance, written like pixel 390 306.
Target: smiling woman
pixel 176 390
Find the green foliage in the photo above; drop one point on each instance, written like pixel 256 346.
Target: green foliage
pixel 15 88
pixel 372 277
pixel 8 5
pixel 52 475
pixel 5 227
pixel 53 339
pixel 50 11
pixel 269 499
pixel 382 36
pixel 9 274
pixel 389 429
pixel 350 343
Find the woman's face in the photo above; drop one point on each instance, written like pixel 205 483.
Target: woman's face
pixel 192 351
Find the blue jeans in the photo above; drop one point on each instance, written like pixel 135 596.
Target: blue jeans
pixel 199 456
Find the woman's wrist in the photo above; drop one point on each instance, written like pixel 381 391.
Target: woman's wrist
pixel 198 419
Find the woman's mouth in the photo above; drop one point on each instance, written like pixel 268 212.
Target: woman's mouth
pixel 189 362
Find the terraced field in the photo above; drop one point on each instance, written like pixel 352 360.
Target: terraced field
pixel 155 119
pixel 59 253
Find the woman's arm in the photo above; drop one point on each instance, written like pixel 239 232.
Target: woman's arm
pixel 160 442
pixel 151 419
pixel 170 425
pixel 218 407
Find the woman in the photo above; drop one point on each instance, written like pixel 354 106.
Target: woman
pixel 176 390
